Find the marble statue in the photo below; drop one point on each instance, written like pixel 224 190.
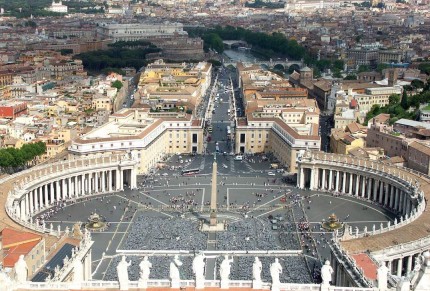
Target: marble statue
pixel 382 275
pixel 21 270
pixel 224 271
pixel 326 272
pixel 78 271
pixel 256 273
pixel 145 268
pixel 256 269
pixel 174 272
pixel 122 273
pixel 5 280
pixel 275 270
pixel 199 270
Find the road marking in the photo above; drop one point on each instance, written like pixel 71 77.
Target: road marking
pixel 270 211
pixel 159 201
pixel 264 204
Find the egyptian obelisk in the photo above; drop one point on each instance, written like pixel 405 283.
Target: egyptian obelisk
pixel 213 218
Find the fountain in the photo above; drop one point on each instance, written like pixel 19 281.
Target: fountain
pixel 95 223
pixel 333 223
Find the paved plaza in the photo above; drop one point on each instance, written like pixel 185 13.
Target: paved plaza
pixel 260 211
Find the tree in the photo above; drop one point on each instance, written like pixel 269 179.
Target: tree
pixel 393 99
pixel 117 84
pixel 351 77
pixel 417 84
pixel 363 68
pixel 404 101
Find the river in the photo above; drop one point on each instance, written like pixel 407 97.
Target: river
pixel 240 55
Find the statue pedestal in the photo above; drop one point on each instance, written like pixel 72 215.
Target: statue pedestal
pixel 224 284
pixel 142 284
pixel 275 287
pixel 175 284
pixel 200 283
pixel 256 284
pixel 324 287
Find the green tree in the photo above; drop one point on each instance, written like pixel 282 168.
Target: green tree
pixel 404 101
pixel 363 68
pixel 351 77
pixel 393 99
pixel 117 84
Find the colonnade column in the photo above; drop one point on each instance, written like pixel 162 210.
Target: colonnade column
pixel 322 180
pixel 96 182
pixel 312 180
pixel 392 196
pixel 387 194
pixel 82 184
pixel 399 267
pixel 344 182
pixel 103 181
pixel 330 182
pixel 133 178
pixel 31 193
pixel 36 198
pixel 351 177
pixel 363 185
pixel 375 189
pixel 409 264
pixel 109 176
pixel 381 191
pixel 45 190
pixel 337 181
pixel 396 200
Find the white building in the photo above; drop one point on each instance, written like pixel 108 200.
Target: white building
pixel 58 7
pixel 139 31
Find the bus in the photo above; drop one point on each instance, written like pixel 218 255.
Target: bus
pixel 190 172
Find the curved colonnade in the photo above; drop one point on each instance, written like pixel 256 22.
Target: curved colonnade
pixel 399 190
pixel 40 188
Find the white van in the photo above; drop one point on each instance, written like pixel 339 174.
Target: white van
pixel 238 158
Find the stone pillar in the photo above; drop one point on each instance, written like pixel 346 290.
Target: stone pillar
pixel 27 204
pixel 375 190
pixel 110 174
pixel 363 185
pixel 330 184
pixel 121 179
pixel 312 179
pixel 392 194
pixel 344 182
pixel 396 199
pixel 409 266
pixel 381 192
pixel 76 186
pixel 82 185
pixel 96 182
pixel 408 206
pixel 68 191
pixel 387 194
pixel 323 184
pixel 133 178
pixel 22 209
pixel 369 188
pixel 390 267
pixel 357 185
pixel 337 181
pixel 351 177
pixel 399 267
pixel 58 185
pixel 31 193
pixel 45 190
pixel 302 178
pixel 36 198
pixel 103 181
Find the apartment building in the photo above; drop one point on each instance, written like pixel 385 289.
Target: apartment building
pixel 166 86
pixel 148 136
pixel 284 131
